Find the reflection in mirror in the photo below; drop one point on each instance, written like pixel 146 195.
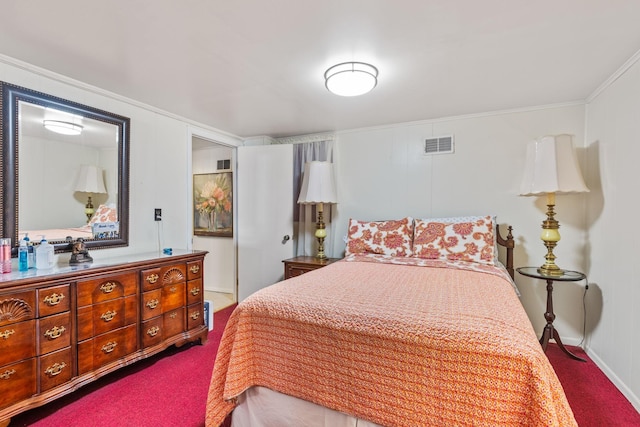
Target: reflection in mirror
pixel 67 182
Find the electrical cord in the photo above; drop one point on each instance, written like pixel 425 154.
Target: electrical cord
pixel 160 238
pixel 584 312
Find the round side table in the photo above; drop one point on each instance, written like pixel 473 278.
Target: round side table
pixel 550 331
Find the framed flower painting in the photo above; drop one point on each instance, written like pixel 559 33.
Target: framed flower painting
pixel 213 204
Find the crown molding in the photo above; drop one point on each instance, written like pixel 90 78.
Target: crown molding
pixel 615 76
pixel 314 137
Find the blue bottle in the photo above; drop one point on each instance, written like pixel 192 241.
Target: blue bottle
pixel 23 256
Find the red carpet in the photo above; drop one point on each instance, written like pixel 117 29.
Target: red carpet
pixel 170 389
pixel 593 397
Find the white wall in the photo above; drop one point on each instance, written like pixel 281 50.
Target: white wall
pixel 159 159
pixel 382 174
pixel 613 146
pixel 220 264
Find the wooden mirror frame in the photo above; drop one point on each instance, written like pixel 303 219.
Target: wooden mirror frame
pixel 9 131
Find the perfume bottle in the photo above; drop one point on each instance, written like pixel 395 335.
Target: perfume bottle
pixel 5 255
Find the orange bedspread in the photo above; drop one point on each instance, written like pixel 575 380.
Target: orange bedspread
pixel 394 344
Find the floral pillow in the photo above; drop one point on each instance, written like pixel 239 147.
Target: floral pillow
pixel 392 238
pixel 470 239
pixel 104 213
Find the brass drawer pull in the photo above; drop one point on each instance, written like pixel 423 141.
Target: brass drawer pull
pixel 7 374
pixel 152 332
pixel 54 332
pixel 195 291
pixel 195 269
pixel 152 303
pixel 109 315
pixel 173 315
pixel 195 315
pixel 6 334
pixel 55 369
pixel 109 347
pixel 152 278
pixel 108 287
pixel 53 299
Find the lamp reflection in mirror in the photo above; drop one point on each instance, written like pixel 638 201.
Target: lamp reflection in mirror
pixel 318 188
pixel 89 180
pixel 551 168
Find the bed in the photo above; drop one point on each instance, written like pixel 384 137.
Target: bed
pixel 103 224
pixel 417 325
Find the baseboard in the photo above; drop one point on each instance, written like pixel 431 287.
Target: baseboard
pixel 614 379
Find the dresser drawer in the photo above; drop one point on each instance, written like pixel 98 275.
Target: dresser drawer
pixel 55 369
pixel 152 332
pixel 194 291
pixel 106 316
pixel 173 296
pixel 53 300
pixel 106 348
pixel 151 304
pixel 16 341
pixel 106 288
pixel 16 307
pixel 173 323
pixel 194 270
pixel 195 316
pixel 17 382
pixel 54 332
pixel 151 279
pixel 158 277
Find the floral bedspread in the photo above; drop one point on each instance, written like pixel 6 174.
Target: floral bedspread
pixel 399 345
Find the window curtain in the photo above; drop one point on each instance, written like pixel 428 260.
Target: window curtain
pixel 304 216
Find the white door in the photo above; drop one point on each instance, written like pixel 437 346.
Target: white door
pixel 265 215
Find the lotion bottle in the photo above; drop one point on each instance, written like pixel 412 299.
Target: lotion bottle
pixel 31 255
pixel 44 255
pixel 23 256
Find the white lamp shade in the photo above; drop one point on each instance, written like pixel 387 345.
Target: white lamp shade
pixel 351 78
pixel 89 180
pixel 318 185
pixel 552 167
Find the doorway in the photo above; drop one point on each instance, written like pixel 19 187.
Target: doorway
pixel 210 158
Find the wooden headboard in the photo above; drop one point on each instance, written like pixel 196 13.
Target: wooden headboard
pixel 508 243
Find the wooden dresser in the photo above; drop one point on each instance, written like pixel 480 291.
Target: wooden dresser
pixel 64 328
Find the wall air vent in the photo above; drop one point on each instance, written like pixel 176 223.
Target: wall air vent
pixel 438 145
pixel 224 164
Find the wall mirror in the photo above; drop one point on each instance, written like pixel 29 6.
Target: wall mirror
pixel 65 180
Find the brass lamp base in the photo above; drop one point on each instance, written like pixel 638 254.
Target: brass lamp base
pixel 321 233
pixel 88 210
pixel 550 236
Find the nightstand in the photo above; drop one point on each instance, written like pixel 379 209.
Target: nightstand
pixel 302 264
pixel 550 331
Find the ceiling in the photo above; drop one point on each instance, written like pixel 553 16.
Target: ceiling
pixel 252 67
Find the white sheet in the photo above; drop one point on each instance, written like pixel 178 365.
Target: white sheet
pixel 262 407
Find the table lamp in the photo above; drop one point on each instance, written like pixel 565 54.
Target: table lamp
pixel 318 188
pixel 89 180
pixel 551 168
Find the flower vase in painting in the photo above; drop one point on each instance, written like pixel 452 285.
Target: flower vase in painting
pixel 213 204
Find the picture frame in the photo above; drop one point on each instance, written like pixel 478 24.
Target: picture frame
pixel 213 204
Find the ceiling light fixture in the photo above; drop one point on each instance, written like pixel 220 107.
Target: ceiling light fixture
pixel 351 78
pixel 65 128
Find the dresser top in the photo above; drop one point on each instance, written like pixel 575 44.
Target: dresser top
pixel 59 271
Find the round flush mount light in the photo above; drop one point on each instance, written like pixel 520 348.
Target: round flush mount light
pixel 351 78
pixel 65 128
